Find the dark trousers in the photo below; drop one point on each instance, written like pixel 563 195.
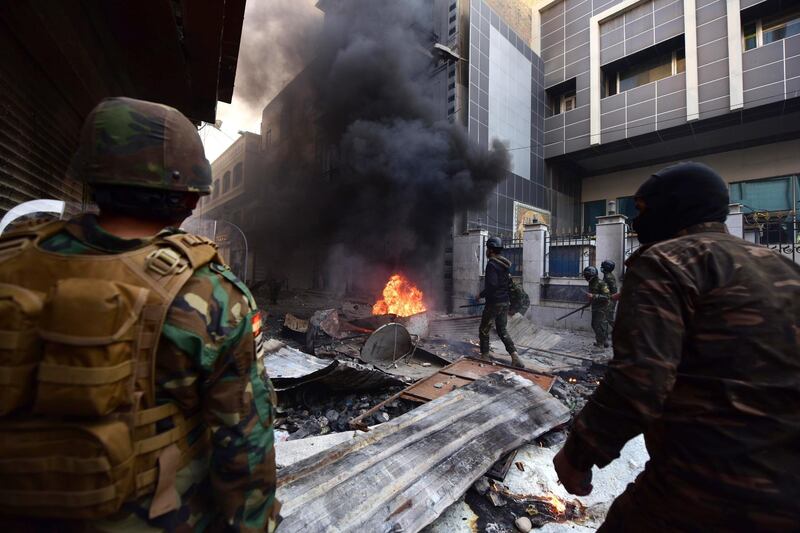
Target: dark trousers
pixel 600 324
pixel 499 314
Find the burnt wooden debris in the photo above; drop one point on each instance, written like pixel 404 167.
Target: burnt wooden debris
pixel 401 475
pixel 458 374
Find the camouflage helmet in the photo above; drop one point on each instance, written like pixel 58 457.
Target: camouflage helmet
pixel 141 144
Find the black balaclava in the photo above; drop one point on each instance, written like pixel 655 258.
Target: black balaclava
pixel 677 197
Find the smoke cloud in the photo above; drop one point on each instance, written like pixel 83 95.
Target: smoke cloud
pixel 279 37
pixel 398 171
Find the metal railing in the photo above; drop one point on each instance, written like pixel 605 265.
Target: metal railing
pixel 513 252
pixel 567 255
pixel 777 230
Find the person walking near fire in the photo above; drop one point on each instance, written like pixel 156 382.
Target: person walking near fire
pixel 498 300
pixel 599 296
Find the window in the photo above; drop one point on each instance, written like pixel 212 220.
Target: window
pixel 773 194
pixel 770 23
pixel 452 19
pixel 650 70
pixel 592 210
pixel 626 205
pixel 268 139
pixel 770 207
pixel 452 31
pixel 568 102
pixel 661 61
pixel 237 175
pixel 215 190
pixel 451 98
pixel 562 98
pixel 226 182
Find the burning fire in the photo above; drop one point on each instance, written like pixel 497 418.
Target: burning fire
pixel 556 502
pixel 400 297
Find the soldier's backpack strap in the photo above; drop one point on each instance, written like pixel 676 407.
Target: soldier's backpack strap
pixel 171 261
pixel 198 250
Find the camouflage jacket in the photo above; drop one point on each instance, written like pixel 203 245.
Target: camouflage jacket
pixel 611 281
pixel 601 294
pixel 197 367
pixel 706 365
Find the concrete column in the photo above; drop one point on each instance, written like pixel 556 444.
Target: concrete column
pixel 469 261
pixel 610 243
pixel 533 260
pixel 690 46
pixel 735 78
pixel 735 221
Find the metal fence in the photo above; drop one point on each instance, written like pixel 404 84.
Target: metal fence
pixel 630 244
pixel 777 230
pixel 567 255
pixel 513 252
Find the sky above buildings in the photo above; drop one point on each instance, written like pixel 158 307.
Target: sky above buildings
pixel 273 50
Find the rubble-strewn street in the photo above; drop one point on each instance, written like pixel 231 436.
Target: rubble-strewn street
pixel 316 411
pixel 400 266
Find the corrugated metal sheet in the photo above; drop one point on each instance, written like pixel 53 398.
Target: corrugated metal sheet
pixel 367 484
pixel 289 368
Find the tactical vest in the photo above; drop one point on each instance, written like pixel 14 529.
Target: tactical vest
pixel 80 431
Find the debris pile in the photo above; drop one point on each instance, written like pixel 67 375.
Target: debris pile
pixel 311 415
pixel 495 504
pixel 415 394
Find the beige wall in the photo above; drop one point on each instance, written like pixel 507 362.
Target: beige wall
pixel 517 14
pixel 766 161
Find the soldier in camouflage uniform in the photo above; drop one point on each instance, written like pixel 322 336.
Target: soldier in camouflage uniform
pixel 496 292
pixel 147 169
pixel 706 365
pixel 607 268
pixel 600 297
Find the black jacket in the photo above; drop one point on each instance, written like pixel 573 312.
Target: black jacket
pixel 496 281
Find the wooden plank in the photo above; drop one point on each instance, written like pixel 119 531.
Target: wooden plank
pixel 473 369
pixel 401 475
pixel 427 388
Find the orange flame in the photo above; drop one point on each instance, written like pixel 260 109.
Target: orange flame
pixel 400 297
pixel 556 502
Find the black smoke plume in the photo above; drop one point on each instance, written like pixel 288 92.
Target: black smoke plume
pixel 370 173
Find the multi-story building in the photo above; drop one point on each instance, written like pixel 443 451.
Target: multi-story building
pixel 591 96
pixel 635 85
pixel 237 176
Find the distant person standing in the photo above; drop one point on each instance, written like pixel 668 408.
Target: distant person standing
pixel 498 300
pixel 599 296
pixel 607 268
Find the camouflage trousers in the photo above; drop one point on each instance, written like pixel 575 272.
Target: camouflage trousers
pixel 600 324
pixel 497 313
pixel 612 308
